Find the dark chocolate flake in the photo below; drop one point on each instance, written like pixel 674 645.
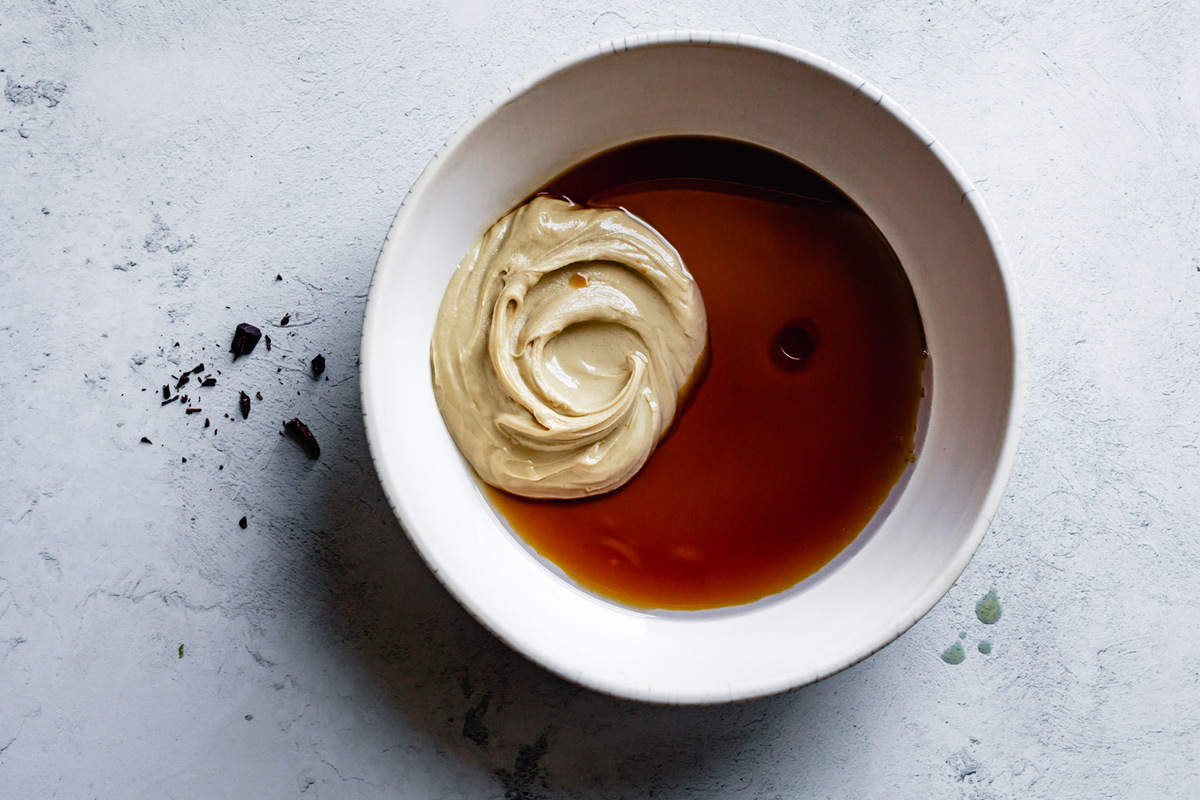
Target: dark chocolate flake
pixel 244 404
pixel 198 369
pixel 286 319
pixel 192 410
pixel 258 395
pixel 146 441
pixel 267 339
pixel 245 338
pixel 318 365
pixel 299 433
pixel 278 277
pixel 208 382
pixel 166 391
pixel 183 379
pixel 171 399
pixel 242 523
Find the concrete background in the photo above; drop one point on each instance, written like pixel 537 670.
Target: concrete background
pixel 160 162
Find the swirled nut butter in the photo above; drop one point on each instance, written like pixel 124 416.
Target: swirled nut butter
pixel 562 347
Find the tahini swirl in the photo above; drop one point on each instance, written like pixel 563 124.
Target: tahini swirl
pixel 562 346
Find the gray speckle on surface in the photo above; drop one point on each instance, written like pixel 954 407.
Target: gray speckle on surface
pixel 279 137
pixel 46 91
pixel 474 727
pixel 963 764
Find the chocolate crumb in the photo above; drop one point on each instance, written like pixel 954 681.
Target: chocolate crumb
pixel 220 466
pixel 267 339
pixel 242 523
pixel 198 369
pixel 244 404
pixel 184 399
pixel 146 441
pixel 278 277
pixel 208 382
pixel 175 345
pixel 286 319
pixel 192 410
pixel 318 365
pixel 299 433
pixel 183 379
pixel 258 395
pixel 245 337
pixel 166 391
pixel 206 423
pixel 184 459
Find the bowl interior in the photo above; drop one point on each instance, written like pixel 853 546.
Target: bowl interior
pixel 841 127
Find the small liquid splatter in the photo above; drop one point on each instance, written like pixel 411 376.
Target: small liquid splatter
pixel 988 608
pixel 954 654
pixel 985 647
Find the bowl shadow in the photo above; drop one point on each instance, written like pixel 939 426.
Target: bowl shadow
pixel 473 698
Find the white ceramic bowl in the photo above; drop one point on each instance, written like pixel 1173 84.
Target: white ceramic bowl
pixel 803 106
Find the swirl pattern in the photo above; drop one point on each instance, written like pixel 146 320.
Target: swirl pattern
pixel 563 343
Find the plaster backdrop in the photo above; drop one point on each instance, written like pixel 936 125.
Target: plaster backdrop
pixel 161 162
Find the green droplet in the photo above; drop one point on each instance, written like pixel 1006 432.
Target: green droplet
pixel 181 650
pixel 954 654
pixel 985 647
pixel 988 608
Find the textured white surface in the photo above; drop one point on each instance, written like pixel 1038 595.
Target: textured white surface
pixel 159 162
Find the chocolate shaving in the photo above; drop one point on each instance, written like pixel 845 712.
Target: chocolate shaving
pixel 183 379
pixel 286 319
pixel 146 441
pixel 278 277
pixel 267 339
pixel 242 523
pixel 192 410
pixel 166 391
pixel 184 459
pixel 169 400
pixel 244 404
pixel 207 382
pixel 258 395
pixel 245 337
pixel 318 365
pixel 206 422
pixel 198 369
pixel 299 433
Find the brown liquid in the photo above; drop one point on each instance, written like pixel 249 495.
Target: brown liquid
pixel 806 416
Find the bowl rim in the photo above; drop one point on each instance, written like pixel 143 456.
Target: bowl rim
pixel 950 571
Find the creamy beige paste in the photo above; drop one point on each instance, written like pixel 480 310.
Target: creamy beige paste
pixel 562 346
